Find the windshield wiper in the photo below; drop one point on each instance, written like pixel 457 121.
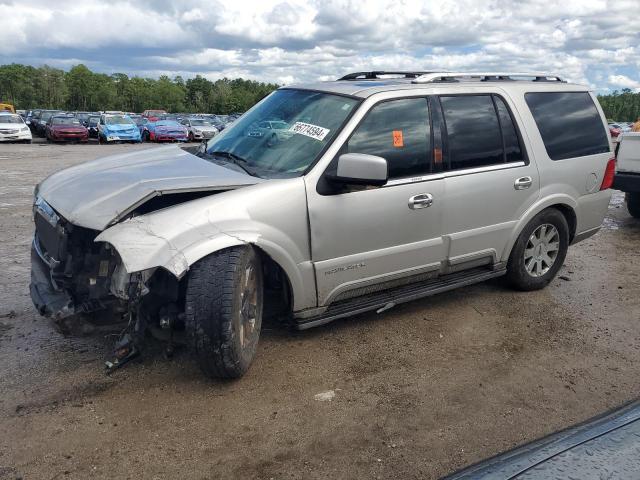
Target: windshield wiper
pixel 234 159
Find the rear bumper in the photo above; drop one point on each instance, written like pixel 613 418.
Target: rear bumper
pixel 627 182
pixel 49 301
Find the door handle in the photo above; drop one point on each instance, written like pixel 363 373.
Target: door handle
pixel 523 183
pixel 423 200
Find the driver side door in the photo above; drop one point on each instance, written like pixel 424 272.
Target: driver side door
pixel 365 238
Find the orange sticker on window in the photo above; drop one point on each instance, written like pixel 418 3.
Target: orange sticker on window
pixel 397 138
pixel 437 156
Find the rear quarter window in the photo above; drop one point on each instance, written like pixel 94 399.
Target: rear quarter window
pixel 569 124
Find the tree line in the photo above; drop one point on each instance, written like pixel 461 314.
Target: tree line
pixel 28 87
pixel 623 106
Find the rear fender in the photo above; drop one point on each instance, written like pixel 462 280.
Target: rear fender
pixel 549 201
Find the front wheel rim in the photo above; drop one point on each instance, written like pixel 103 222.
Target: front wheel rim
pixel 248 307
pixel 542 250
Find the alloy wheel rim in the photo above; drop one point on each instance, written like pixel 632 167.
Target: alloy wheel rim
pixel 541 250
pixel 248 306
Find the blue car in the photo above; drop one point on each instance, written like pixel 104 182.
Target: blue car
pixel 118 128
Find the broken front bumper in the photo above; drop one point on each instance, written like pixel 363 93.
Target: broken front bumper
pixel 49 301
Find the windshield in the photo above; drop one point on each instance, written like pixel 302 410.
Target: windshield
pixel 65 121
pixel 94 120
pixel 118 120
pixel 284 133
pixel 10 119
pixel 198 122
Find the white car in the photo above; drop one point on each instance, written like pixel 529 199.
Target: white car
pixel 13 128
pixel 199 129
pixel 627 177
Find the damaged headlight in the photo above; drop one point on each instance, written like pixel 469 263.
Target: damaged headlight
pixel 129 286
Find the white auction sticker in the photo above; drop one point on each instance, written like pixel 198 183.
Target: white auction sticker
pixel 309 130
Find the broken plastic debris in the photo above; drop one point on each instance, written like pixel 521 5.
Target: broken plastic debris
pixel 325 396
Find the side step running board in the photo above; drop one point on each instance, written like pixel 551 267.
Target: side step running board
pixel 388 298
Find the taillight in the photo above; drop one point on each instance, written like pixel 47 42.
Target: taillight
pixel 609 173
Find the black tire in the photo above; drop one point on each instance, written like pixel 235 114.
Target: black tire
pixel 633 203
pixel 517 274
pixel 146 137
pixel 190 138
pixel 224 347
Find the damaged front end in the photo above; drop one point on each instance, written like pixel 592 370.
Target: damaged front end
pixel 70 274
pixel 74 276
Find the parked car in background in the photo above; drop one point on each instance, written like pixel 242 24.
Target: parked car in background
pixel 273 130
pixel 43 118
pixel 65 128
pixel 622 126
pixel 7 107
pixel 13 128
pixel 165 131
pixel 153 115
pixel 118 128
pixel 627 177
pixel 614 131
pixel 92 125
pixel 199 129
pixel 32 119
pixel 82 116
pixel 137 119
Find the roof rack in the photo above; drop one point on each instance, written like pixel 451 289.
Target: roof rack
pixel 435 77
pixel 374 75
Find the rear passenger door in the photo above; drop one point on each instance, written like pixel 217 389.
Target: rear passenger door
pixel 489 180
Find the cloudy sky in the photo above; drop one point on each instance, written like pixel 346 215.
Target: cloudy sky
pixel 596 42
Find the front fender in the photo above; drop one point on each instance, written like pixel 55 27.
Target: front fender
pixel 271 216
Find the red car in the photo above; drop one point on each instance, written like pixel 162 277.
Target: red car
pixel 66 128
pixel 614 131
pixel 153 115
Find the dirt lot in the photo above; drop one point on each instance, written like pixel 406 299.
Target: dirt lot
pixel 420 390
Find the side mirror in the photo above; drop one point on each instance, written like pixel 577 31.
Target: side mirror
pixel 361 169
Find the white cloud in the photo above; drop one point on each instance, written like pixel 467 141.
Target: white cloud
pixel 624 82
pixel 595 42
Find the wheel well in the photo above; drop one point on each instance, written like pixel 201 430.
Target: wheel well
pixel 570 216
pixel 278 297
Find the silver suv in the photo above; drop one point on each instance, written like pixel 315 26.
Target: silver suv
pixel 386 187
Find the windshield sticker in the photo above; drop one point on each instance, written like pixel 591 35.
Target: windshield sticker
pixel 309 130
pixel 398 141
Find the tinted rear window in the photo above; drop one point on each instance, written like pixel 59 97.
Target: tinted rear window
pixel 569 124
pixel 473 131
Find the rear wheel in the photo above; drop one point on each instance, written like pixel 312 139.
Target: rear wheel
pixel 633 203
pixel 539 251
pixel 223 304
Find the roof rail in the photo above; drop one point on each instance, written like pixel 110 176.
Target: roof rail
pixel 373 75
pixel 435 77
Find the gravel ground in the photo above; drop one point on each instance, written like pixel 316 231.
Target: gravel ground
pixel 419 391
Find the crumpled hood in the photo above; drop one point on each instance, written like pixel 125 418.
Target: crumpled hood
pixel 100 192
